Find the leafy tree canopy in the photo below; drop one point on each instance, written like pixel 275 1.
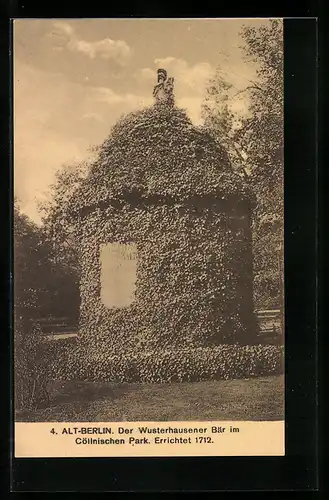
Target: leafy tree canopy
pixel 255 144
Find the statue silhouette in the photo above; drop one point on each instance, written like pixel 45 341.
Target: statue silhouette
pixel 164 90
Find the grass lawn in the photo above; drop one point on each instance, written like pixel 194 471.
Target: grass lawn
pixel 260 398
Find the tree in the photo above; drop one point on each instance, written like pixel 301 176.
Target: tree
pixel 256 142
pixel 262 138
pixel 58 235
pixel 57 226
pixel 220 119
pixel 29 258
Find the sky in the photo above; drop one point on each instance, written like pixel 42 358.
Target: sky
pixel 74 78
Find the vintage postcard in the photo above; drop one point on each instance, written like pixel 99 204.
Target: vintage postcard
pixel 148 237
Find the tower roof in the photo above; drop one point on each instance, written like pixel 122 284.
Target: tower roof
pixel 158 152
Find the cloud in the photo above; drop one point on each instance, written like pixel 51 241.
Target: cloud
pixel 65 28
pixel 193 108
pixel 187 77
pixel 37 157
pixel 145 74
pixel 92 116
pixel 192 76
pixel 64 35
pixel 106 94
pixel 129 100
pixel 191 81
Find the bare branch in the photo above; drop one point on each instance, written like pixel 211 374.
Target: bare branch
pixel 249 88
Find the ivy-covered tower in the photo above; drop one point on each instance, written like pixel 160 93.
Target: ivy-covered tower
pixel 164 225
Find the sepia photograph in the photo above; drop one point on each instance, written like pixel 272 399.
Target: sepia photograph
pixel 148 220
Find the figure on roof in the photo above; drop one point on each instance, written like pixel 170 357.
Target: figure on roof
pixel 164 90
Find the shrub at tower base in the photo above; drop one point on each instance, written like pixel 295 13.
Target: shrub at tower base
pixel 222 362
